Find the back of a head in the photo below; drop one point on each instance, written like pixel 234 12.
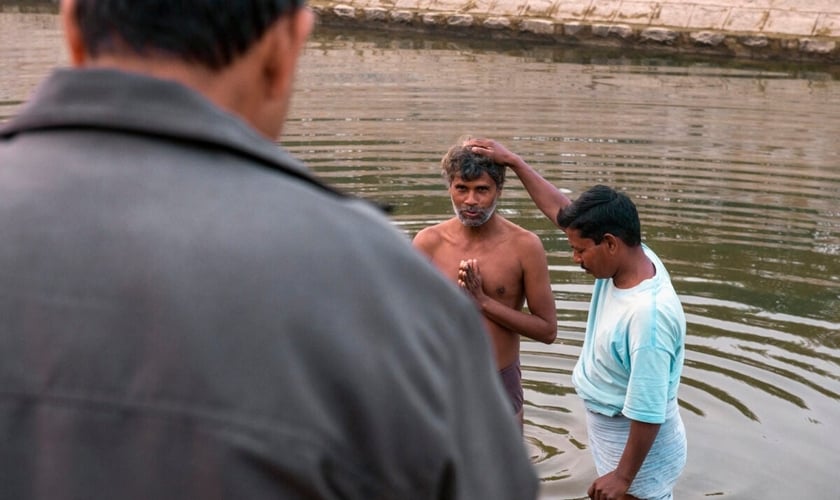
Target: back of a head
pixel 600 210
pixel 209 33
pixel 461 161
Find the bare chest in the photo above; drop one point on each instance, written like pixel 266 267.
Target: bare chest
pixel 500 269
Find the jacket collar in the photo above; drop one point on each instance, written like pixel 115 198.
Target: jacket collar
pixel 134 103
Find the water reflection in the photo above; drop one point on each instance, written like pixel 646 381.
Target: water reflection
pixel 737 188
pixel 735 171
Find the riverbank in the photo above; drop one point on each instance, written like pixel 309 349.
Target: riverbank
pixel 787 30
pixel 783 30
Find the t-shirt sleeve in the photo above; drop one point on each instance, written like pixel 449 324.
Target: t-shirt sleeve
pixel 650 369
pixel 647 390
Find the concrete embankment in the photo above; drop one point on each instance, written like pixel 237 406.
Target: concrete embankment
pixel 787 30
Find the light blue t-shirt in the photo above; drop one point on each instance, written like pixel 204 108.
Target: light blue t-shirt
pixel 634 348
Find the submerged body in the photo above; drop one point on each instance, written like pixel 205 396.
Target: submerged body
pixel 500 265
pixel 629 369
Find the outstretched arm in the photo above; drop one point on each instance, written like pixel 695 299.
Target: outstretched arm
pixel 546 196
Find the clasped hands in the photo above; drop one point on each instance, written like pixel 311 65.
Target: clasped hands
pixel 469 279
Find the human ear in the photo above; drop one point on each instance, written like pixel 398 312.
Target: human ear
pixel 290 35
pixel 278 56
pixel 72 34
pixel 611 241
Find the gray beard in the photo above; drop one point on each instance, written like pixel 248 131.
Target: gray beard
pixel 485 215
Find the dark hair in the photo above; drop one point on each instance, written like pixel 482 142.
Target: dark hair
pixel 460 160
pixel 600 210
pixel 211 33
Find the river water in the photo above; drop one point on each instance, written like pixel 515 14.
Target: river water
pixel 734 168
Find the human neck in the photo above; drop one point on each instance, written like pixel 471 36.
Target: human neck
pixel 226 88
pixel 638 268
pixel 191 75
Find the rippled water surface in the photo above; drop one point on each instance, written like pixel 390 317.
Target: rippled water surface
pixel 736 173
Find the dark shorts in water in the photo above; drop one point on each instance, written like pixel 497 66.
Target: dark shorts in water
pixel 512 380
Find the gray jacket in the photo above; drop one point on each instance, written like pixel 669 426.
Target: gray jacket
pixel 185 312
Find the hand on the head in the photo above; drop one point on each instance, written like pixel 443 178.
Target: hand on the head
pixel 491 149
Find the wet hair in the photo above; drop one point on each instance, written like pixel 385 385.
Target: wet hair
pixel 461 161
pixel 211 33
pixel 601 210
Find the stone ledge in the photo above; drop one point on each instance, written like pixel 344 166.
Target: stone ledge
pixel 576 32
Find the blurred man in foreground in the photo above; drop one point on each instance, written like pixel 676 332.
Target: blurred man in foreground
pixel 186 312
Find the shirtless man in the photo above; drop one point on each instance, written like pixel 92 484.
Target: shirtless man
pixel 500 264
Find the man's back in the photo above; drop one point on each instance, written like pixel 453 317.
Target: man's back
pixel 183 315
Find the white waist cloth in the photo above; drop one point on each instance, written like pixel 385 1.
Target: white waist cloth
pixel 664 463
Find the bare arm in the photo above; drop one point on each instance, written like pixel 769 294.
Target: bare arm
pixel 545 195
pixel 541 323
pixel 616 483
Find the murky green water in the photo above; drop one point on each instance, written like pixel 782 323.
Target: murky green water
pixel 736 173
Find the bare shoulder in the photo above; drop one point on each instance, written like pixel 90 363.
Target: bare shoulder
pixel 523 238
pixel 430 237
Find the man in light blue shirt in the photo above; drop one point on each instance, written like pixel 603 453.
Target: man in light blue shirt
pixel 633 353
pixel 629 368
pixel 628 374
